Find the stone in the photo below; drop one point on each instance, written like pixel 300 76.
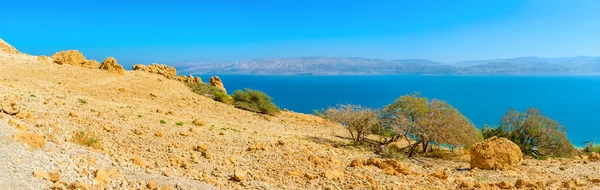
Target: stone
pixel 140 162
pixel 69 57
pixel 111 65
pixel 198 122
pixel 32 139
pixel 443 175
pixel 9 105
pixel 504 185
pixel 216 82
pixel 90 64
pixel 151 185
pixel 54 176
pixel 160 69
pixel 41 174
pixel 43 58
pixel 101 176
pixel 239 175
pixel 569 184
pixel 332 174
pixel 495 153
pixel 7 48
pixel 296 173
pixel 357 162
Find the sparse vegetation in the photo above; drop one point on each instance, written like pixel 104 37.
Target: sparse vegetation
pixel 82 101
pixel 255 101
pixel 210 92
pixel 422 122
pixel 87 139
pixel 591 147
pixel 358 120
pixel 536 134
pixel 163 121
pixel 179 123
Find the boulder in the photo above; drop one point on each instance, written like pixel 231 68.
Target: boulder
pixel 216 82
pixel 189 79
pixel 164 70
pixel 7 48
pixel 31 139
pixel 110 64
pixel 43 58
pixel 495 153
pixel 90 64
pixel 69 57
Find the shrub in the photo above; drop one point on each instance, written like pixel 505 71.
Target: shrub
pixel 423 122
pixel 87 139
pixel 535 133
pixel 163 121
pixel 591 147
pixel 255 101
pixel 210 92
pixel 358 120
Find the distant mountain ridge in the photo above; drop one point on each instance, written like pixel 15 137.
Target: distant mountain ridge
pixel 582 65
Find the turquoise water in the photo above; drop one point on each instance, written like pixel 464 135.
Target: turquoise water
pixel 571 100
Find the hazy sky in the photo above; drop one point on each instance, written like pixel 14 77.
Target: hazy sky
pixel 221 30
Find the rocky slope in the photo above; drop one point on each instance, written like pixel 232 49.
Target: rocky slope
pixel 69 127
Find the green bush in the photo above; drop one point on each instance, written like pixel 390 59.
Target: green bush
pixel 591 147
pixel 210 92
pixel 536 134
pixel 255 101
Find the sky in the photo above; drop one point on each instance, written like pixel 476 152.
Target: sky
pixel 175 31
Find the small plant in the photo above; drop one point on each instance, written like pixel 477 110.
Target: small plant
pixel 591 147
pixel 179 123
pixel 255 101
pixel 210 92
pixel 87 139
pixel 163 121
pixel 59 82
pixel 82 101
pixel 33 95
pixel 140 116
pixel 211 127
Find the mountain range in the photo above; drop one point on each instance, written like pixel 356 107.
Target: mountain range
pixel 582 65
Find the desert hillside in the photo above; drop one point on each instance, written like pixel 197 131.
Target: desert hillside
pixel 65 126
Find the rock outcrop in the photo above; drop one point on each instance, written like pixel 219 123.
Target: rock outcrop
pixel 110 64
pixel 495 153
pixel 73 57
pixel 164 70
pixel 69 57
pixel 7 48
pixel 189 79
pixel 216 82
pixel 90 64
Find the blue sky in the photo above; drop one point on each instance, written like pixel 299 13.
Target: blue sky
pixel 175 31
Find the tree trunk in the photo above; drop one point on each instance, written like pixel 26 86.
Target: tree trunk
pixel 412 149
pixel 425 146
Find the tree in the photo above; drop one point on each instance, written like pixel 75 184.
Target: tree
pixel 418 120
pixel 358 120
pixel 255 101
pixel 535 133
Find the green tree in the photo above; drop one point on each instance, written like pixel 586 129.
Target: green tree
pixel 358 120
pixel 535 133
pixel 423 122
pixel 255 101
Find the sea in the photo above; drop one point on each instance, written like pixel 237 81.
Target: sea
pixel 574 101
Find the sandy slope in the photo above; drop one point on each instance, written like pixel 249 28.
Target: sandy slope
pixel 289 151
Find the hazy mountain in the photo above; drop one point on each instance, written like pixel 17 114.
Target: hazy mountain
pixel 365 66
